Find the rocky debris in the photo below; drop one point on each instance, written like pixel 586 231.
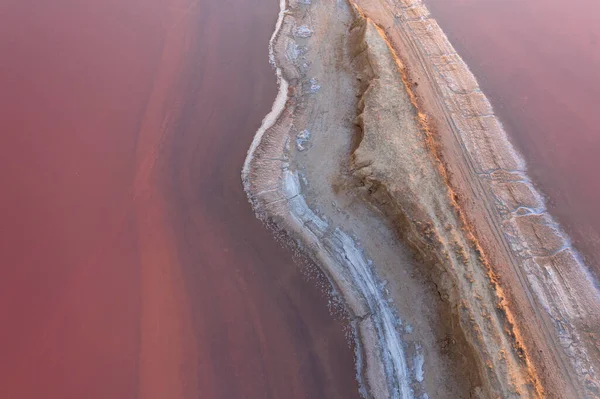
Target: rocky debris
pixel 302 140
pixel 303 31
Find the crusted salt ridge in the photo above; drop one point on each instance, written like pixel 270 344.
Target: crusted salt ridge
pixel 355 276
pixel 554 273
pixel 275 193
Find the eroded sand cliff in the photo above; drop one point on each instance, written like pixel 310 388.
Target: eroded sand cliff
pixel 383 161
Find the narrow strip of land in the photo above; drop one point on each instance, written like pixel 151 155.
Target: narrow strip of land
pixel 384 160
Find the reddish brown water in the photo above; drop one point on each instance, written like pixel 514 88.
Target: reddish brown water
pixel 131 264
pixel 539 62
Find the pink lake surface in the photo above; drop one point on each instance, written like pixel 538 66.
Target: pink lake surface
pixel 539 63
pixel 131 263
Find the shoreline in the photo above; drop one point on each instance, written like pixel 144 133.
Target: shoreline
pixel 484 162
pixel 553 124
pixel 367 335
pixel 277 108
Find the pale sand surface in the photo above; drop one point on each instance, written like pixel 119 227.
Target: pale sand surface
pixel 385 163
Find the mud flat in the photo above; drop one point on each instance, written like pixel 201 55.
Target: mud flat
pixel 383 161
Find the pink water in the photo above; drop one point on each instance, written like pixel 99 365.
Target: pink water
pixel 131 264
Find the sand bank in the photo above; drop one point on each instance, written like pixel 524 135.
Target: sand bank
pixel 384 161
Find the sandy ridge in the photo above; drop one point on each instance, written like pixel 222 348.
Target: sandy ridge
pixel 394 162
pixel 557 286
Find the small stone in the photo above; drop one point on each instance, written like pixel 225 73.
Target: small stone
pixel 314 85
pixel 292 52
pixel 303 31
pixel 302 139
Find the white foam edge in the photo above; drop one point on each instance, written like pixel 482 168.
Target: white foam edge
pixel 280 100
